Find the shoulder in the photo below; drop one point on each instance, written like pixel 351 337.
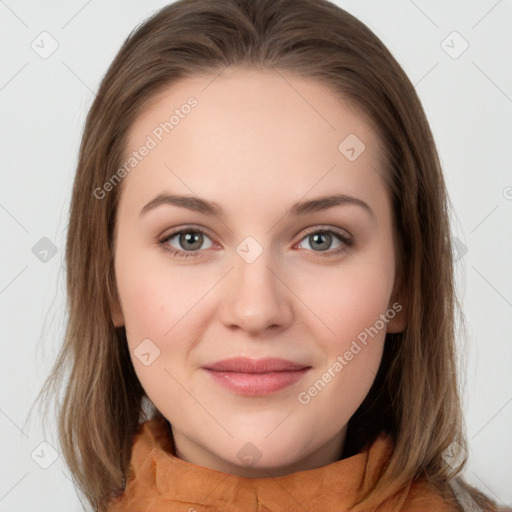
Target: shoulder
pixel 422 497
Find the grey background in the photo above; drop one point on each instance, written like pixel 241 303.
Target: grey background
pixel 43 101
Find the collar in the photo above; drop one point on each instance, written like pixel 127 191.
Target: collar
pixel 160 481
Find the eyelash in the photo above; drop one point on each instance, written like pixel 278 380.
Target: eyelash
pixel 347 242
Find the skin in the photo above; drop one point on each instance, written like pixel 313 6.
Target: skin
pixel 255 145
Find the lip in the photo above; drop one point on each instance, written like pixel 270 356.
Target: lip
pixel 255 377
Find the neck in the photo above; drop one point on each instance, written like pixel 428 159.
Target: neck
pixel 189 451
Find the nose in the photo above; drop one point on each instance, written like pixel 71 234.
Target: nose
pixel 257 297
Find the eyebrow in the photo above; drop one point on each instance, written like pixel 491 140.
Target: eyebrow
pixel 199 205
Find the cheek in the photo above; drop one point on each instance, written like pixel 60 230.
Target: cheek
pixel 351 347
pixel 160 318
pixel 352 302
pixel 155 297
pixel 350 299
pixel 169 306
pixel 353 344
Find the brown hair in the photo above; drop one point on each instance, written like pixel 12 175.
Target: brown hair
pixel 415 397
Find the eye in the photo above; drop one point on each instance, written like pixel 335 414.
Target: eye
pixel 188 240
pixel 321 240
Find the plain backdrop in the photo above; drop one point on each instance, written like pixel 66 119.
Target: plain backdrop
pixel 458 54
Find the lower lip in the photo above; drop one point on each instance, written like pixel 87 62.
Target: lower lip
pixel 255 384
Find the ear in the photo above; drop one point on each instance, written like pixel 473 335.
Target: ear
pixel 117 314
pixel 397 309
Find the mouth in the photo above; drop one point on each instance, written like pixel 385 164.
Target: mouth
pixel 252 377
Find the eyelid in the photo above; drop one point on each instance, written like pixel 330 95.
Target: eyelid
pixel 185 227
pixel 324 227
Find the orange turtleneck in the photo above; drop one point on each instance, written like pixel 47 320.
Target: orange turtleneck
pixel 159 481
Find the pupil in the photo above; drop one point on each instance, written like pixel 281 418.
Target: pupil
pixel 323 239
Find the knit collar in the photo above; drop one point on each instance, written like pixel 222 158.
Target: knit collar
pixel 160 481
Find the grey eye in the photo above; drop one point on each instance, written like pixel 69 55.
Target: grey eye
pixel 189 240
pixel 321 241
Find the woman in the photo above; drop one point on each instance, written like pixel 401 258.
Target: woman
pixel 265 130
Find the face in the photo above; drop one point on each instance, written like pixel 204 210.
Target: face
pixel 255 264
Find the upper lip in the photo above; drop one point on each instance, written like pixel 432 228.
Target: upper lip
pixel 247 365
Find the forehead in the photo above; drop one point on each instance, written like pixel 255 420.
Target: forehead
pixel 267 131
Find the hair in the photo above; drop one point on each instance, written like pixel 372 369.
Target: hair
pixel 415 397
